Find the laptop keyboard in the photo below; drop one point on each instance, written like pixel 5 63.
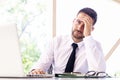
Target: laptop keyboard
pixel 41 75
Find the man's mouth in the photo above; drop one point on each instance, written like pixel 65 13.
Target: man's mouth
pixel 79 32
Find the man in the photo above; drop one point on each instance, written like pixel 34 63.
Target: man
pixel 89 55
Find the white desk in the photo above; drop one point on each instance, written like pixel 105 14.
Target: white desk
pixel 59 78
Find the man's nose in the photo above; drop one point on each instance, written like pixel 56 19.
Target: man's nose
pixel 81 27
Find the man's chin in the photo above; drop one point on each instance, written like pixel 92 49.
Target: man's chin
pixel 77 36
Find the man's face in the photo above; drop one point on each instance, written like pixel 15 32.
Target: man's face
pixel 78 26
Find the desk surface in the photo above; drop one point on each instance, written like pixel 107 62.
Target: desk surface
pixel 59 78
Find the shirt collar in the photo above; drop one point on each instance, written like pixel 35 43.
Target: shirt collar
pixel 79 44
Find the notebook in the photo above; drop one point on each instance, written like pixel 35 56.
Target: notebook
pixel 10 57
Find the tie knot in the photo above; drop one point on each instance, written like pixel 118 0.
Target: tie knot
pixel 74 45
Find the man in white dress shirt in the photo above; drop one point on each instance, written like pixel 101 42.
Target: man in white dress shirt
pixel 89 54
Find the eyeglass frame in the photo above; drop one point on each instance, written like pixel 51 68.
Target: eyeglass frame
pixel 77 21
pixel 96 74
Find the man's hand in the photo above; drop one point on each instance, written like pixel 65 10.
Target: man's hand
pixel 88 25
pixel 37 71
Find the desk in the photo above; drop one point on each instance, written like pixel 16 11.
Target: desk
pixel 59 78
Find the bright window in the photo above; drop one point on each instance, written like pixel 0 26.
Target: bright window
pixel 34 22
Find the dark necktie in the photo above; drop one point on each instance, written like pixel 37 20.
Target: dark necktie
pixel 70 64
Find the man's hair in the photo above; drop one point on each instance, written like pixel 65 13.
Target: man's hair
pixel 92 13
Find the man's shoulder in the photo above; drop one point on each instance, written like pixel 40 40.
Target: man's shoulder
pixel 91 39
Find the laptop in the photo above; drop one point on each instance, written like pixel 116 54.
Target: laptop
pixel 10 57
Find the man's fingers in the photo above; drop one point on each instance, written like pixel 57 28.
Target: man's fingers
pixel 37 71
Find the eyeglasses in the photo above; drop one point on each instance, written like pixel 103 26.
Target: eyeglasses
pixel 94 74
pixel 77 21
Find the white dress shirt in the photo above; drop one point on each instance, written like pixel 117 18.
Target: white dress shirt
pixel 89 55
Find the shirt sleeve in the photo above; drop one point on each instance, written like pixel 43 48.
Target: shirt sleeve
pixel 46 58
pixel 94 55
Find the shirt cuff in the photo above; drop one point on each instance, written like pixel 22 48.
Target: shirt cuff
pixel 89 41
pixel 88 38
